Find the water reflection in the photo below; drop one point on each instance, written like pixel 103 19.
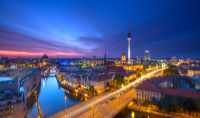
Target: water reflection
pixel 127 113
pixel 132 114
pixel 51 98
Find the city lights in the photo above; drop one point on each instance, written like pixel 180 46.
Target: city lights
pixel 99 59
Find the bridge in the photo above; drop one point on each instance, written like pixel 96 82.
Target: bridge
pixel 106 105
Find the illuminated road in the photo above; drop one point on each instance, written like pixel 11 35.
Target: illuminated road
pixel 84 108
pixel 110 107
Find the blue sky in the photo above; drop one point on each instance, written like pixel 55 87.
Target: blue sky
pixel 89 27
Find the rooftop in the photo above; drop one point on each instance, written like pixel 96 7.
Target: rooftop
pixel 171 86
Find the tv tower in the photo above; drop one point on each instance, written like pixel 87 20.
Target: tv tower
pixel 129 48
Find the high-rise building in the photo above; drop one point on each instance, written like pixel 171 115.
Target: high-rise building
pixel 147 56
pixel 129 48
pixel 138 60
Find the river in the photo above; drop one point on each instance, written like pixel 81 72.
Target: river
pixel 127 113
pixel 51 98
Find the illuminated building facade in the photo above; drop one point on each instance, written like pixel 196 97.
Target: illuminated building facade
pixel 134 67
pixel 123 58
pixel 147 56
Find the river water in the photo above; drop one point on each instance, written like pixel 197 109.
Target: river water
pixel 51 98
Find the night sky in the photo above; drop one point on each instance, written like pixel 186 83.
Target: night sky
pixel 76 28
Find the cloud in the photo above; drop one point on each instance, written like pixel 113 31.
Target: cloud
pixel 13 43
pixel 113 44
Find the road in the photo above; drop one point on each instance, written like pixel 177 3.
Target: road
pixel 99 100
pixel 109 108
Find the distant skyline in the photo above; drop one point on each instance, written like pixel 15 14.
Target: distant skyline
pixel 77 28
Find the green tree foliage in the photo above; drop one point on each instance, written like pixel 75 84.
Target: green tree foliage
pixel 118 80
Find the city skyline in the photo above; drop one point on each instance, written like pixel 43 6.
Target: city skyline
pixel 87 28
pixel 99 59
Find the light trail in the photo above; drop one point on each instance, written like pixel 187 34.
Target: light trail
pixel 113 94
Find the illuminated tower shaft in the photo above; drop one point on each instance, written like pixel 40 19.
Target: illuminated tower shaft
pixel 129 48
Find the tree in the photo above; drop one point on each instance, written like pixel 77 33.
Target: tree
pixel 119 79
pixel 92 90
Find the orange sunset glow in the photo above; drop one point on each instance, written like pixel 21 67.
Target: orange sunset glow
pixel 13 53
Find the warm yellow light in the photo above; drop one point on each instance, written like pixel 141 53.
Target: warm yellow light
pixel 122 85
pixel 76 90
pixel 132 114
pixel 130 104
pixel 86 95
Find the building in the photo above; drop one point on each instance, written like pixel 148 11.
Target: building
pixel 123 58
pixel 2 66
pixel 43 61
pixel 147 56
pixel 193 71
pixel 138 60
pixel 147 95
pixel 173 61
pixel 156 88
pixel 137 67
pixel 93 62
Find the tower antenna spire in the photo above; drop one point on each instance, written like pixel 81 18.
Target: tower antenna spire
pixel 129 47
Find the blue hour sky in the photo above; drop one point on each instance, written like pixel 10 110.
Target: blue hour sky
pixel 75 28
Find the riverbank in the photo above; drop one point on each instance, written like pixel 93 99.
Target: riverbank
pixel 77 91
